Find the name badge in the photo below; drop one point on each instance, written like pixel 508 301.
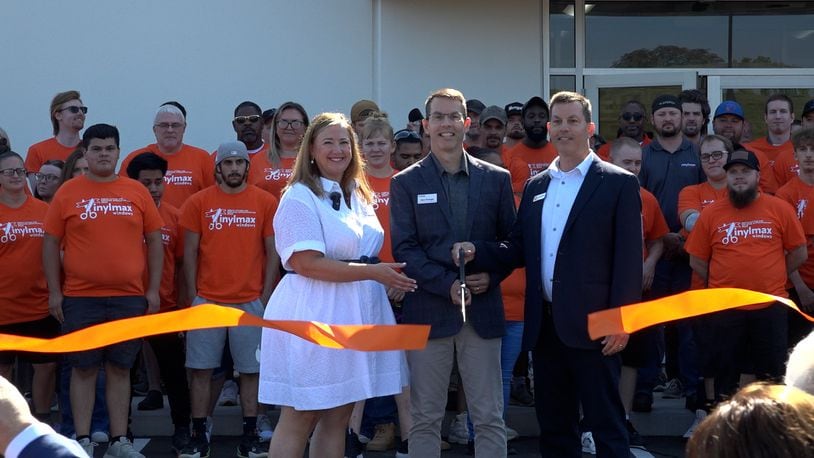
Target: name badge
pixel 427 199
pixel 540 196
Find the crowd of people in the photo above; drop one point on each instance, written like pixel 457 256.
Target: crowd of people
pixel 501 227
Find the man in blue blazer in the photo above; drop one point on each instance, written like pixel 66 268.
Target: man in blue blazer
pixel 579 235
pixel 22 436
pixel 447 197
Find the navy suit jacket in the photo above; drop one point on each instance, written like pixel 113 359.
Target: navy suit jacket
pixel 52 446
pixel 422 236
pixel 599 261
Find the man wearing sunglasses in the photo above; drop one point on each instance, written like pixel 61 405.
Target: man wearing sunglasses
pixel 68 119
pixel 631 125
pixel 189 168
pixel 248 125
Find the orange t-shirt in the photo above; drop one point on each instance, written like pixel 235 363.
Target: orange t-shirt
pixel 23 291
pixel 800 195
pixel 46 150
pixel 654 226
pixel 524 162
pixel 513 288
pixel 604 151
pixel 780 158
pixel 233 229
pixel 102 227
pixel 745 246
pixel 381 204
pixel 188 171
pixel 173 250
pixel 698 197
pixel 269 178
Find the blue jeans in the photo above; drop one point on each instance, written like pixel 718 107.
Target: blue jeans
pixel 99 421
pixel 378 411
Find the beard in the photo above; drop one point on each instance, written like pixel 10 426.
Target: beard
pixel 741 199
pixel 668 133
pixel 516 134
pixel 537 137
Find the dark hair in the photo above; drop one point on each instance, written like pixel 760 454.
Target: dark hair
pixel 100 131
pixel 9 154
pixel 776 97
pixel 146 161
pixel 176 105
pixel 633 102
pixel 248 104
pixel 70 163
pixel 696 96
pixel 803 137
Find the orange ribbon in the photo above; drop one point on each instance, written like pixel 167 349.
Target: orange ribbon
pixel 632 318
pixel 364 337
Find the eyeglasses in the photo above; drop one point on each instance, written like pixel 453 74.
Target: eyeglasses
pixel 455 116
pixel 632 116
pixel 245 119
pixel 284 124
pixel 167 125
pixel 713 156
pixel 46 177
pixel 405 134
pixel 11 172
pixel 75 109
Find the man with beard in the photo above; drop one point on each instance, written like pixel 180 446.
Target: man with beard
pixel 670 163
pixel 493 128
pixel 189 169
pixel 515 132
pixel 230 260
pixel 67 118
pixel 474 107
pixel 776 145
pixel 534 153
pixel 729 122
pixel 631 125
pixel 248 125
pixel 762 232
pixel 694 114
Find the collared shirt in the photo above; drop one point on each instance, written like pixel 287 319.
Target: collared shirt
pixel 456 189
pixel 559 198
pixel 666 173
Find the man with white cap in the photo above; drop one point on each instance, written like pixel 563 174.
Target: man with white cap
pixel 230 260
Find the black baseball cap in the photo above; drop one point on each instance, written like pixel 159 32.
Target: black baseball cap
pixel 744 157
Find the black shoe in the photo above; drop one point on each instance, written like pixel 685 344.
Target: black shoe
pixel 353 447
pixel 634 438
pixel 251 447
pixel 197 447
pixel 511 450
pixel 519 393
pixel 403 450
pixel 180 439
pixel 642 403
pixel 470 448
pixel 153 401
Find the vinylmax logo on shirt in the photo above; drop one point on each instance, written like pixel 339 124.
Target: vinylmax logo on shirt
pixel 230 217
pixel 689 164
pixel 95 206
pixel 277 174
pixel 15 230
pixel 381 198
pixel 178 177
pixel 735 232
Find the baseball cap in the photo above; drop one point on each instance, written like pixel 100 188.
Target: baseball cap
pixel 475 106
pixel 808 107
pixel 665 101
pixel 731 107
pixel 415 115
pixel 744 157
pixel 362 109
pixel 535 102
pixel 514 108
pixel 231 149
pixel 493 112
pixel 268 114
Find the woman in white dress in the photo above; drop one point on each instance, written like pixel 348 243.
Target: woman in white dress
pixel 327 235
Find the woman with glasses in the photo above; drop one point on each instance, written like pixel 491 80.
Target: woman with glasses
pixel 271 171
pixel 48 179
pixel 23 292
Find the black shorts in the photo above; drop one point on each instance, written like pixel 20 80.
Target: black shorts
pixel 642 348
pixel 44 328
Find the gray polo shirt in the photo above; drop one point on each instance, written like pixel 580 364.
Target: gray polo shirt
pixel 665 174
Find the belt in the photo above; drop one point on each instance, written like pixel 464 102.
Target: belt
pixel 361 260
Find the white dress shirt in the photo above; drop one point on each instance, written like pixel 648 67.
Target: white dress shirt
pixel 559 198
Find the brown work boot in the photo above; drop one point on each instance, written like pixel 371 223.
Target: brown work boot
pixel 384 439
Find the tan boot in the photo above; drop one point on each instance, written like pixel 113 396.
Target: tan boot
pixel 384 439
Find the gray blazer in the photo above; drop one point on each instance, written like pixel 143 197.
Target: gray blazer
pixel 422 236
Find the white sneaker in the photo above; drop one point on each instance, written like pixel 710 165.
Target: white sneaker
pixel 264 429
pixel 122 448
pixel 700 415
pixel 88 446
pixel 588 444
pixel 228 394
pixel 511 434
pixel 209 426
pixel 458 432
pixel 100 437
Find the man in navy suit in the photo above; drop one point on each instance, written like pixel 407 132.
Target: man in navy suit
pixel 579 235
pixel 22 436
pixel 446 197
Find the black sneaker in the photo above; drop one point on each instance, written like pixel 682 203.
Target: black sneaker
pixel 402 451
pixel 197 447
pixel 642 403
pixel 353 447
pixel 519 393
pixel 251 447
pixel 153 401
pixel 180 439
pixel 636 440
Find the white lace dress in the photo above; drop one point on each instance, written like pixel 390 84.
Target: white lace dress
pixel 303 375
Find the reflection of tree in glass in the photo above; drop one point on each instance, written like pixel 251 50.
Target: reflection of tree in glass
pixel 669 56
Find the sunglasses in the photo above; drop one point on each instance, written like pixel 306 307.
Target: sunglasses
pixel 75 109
pixel 245 119
pixel 632 116
pixel 405 134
